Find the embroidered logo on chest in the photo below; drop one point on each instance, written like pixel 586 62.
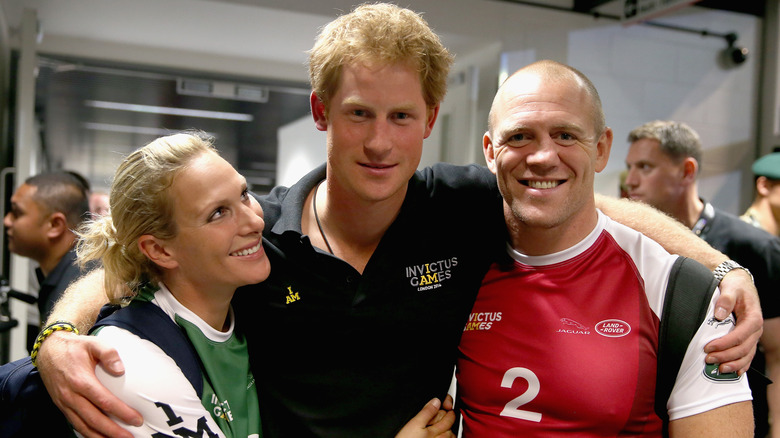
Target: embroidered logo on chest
pixel 292 296
pixel 431 275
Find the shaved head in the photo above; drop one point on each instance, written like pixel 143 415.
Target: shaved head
pixel 551 71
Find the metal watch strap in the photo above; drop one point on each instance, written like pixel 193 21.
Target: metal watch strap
pixel 726 267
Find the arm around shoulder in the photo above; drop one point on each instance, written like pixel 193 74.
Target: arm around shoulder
pixel 81 302
pixel 671 234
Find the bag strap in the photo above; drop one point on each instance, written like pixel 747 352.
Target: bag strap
pixel 150 322
pixel 687 300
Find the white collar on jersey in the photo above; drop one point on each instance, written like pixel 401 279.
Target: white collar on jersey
pixel 560 256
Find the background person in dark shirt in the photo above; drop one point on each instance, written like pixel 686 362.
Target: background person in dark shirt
pixel 45 210
pixel 663 165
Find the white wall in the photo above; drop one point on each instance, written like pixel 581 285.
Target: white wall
pixel 301 149
pixel 645 73
pixel 770 79
pixel 473 83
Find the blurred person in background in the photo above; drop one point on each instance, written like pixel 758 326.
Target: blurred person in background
pixel 663 163
pixel 764 212
pixel 45 211
pixel 98 203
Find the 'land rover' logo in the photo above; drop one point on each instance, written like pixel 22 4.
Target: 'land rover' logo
pixel 612 328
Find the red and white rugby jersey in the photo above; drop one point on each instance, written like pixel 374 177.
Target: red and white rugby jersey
pixel 566 344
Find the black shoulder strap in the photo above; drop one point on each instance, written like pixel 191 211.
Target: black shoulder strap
pixel 151 323
pixel 688 296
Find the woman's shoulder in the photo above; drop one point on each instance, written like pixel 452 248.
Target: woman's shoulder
pixel 152 383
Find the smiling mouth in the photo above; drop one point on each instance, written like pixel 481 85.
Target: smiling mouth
pixel 542 184
pixel 377 166
pixel 248 251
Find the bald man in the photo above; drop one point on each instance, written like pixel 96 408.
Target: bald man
pixel 564 334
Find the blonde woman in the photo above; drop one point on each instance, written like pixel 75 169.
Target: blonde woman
pixel 183 234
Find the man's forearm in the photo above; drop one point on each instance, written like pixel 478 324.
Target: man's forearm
pixel 671 234
pixel 81 302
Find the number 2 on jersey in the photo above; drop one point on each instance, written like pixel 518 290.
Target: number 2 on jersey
pixel 511 408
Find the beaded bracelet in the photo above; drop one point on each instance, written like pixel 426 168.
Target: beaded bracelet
pixel 45 333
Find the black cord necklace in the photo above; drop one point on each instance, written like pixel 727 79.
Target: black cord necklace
pixel 317 217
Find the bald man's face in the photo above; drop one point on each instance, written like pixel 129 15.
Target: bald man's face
pixel 545 151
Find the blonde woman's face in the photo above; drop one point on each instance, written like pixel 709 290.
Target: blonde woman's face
pixel 219 239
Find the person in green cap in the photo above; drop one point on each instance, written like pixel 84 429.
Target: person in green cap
pixel 764 212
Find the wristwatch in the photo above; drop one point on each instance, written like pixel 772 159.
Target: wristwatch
pixel 726 267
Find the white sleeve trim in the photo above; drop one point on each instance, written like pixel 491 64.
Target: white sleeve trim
pixel 693 393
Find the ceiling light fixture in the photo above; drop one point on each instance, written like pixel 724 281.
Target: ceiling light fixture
pixel 220 115
pixel 109 127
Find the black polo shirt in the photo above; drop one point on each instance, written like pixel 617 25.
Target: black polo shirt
pixel 340 354
pixel 752 248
